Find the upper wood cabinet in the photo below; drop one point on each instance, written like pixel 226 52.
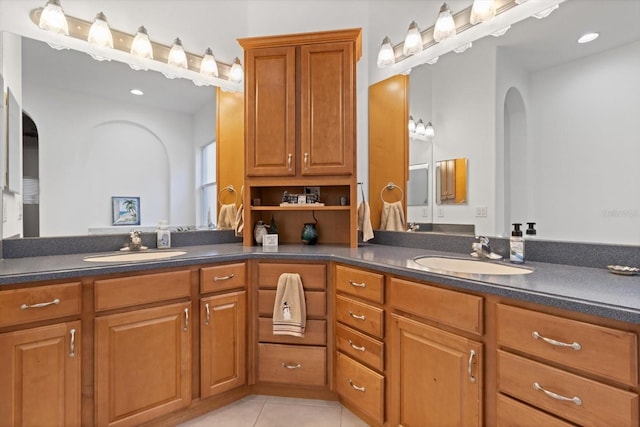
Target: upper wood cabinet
pixel 300 103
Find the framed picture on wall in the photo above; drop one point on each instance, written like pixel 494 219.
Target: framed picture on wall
pixel 125 210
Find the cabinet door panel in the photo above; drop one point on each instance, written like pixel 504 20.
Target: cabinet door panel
pixel 40 376
pixel 222 343
pixel 435 380
pixel 270 111
pixel 327 104
pixel 143 364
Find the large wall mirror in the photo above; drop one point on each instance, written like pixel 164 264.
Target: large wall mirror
pixel 549 126
pixel 96 140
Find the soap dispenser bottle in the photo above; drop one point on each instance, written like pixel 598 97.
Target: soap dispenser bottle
pixel 516 245
pixel 163 236
pixel 531 231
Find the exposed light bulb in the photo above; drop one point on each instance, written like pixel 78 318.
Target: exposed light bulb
pixel 177 56
pixel 544 13
pixel 413 40
pixel 462 48
pixel 420 127
pixel 429 131
pixel 141 45
pixel 52 18
pixel 482 11
pixel 136 92
pixel 386 56
pixel 445 26
pixel 100 33
pixel 236 74
pixel 209 66
pixel 412 125
pixel 520 1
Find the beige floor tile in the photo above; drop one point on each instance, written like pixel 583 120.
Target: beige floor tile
pixel 242 413
pixel 297 401
pixel 349 419
pixel 281 415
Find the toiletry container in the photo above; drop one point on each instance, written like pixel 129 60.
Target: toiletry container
pixel 531 231
pixel 516 245
pixel 163 236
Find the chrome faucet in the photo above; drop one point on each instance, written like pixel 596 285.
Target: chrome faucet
pixel 413 226
pixel 482 249
pixel 135 241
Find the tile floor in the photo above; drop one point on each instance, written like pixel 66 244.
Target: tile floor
pixel 271 411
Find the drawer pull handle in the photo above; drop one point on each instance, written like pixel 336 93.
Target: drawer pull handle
pixel 72 344
pixel 576 346
pixel 291 365
pixel 206 309
pixel 40 305
pixel 472 355
pixel 306 160
pixel 221 278
pixel 357 347
pixel 289 158
pixel 557 396
pixel 357 285
pixel 355 387
pixel 357 316
pixel 186 320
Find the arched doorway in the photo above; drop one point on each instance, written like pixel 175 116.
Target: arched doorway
pixel 30 178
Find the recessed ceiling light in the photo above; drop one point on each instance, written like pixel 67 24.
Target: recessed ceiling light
pixel 588 37
pixel 137 92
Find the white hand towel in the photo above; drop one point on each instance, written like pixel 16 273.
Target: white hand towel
pixel 239 225
pixel 364 221
pixel 289 309
pixel 227 217
pixel 392 218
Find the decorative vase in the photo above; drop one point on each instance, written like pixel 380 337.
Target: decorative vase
pixel 259 231
pixel 309 234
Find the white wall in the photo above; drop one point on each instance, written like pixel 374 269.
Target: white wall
pixel 204 125
pixel 573 196
pixel 134 151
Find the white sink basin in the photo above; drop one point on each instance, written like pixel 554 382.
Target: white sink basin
pixel 470 266
pixel 134 256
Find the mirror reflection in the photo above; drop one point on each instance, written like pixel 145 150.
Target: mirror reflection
pixel 451 181
pixel 548 123
pixel 95 139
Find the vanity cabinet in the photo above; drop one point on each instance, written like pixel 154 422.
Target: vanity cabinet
pixel 142 355
pixel 359 338
pixel 577 371
pixel 223 335
pixel 436 375
pixel 300 132
pixel 286 359
pixel 41 365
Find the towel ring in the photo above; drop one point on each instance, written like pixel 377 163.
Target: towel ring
pixel 361 185
pixel 230 189
pixel 390 187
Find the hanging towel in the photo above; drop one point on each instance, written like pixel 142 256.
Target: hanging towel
pixel 227 217
pixel 392 217
pixel 289 309
pixel 239 221
pixel 364 221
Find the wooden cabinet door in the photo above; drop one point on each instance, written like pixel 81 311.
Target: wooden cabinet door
pixel 270 111
pixel 40 376
pixel 222 343
pixel 436 377
pixel 142 364
pixel 327 104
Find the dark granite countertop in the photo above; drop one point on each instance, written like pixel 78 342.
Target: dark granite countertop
pixel 588 290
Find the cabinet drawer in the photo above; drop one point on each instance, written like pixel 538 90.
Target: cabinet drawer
pixel 291 364
pixel 316 303
pixel 39 303
pixel 361 347
pixel 363 317
pixel 456 309
pixel 363 284
pixel 603 351
pixel 222 277
pixel 599 404
pixel 313 276
pixel 315 333
pixel 511 413
pixel 135 290
pixel 361 386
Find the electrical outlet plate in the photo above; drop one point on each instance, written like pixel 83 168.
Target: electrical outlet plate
pixel 481 211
